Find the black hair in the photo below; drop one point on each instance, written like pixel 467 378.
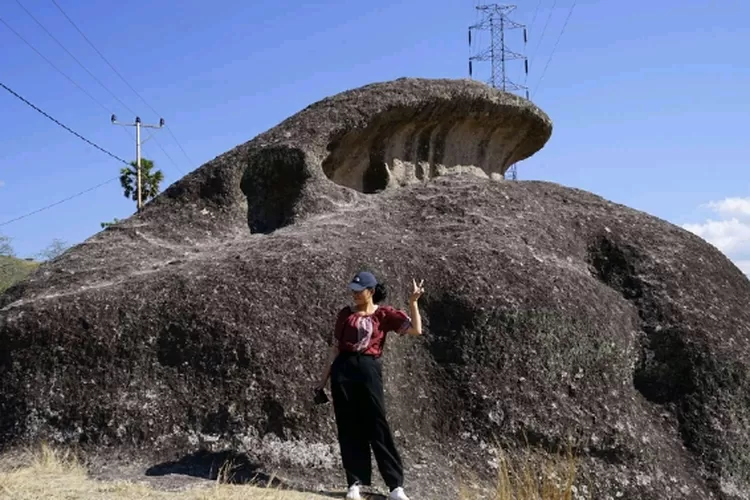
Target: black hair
pixel 379 294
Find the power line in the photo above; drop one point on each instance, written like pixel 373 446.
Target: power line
pixel 565 25
pixel 169 129
pixel 96 79
pixel 123 79
pixel 164 150
pixel 51 205
pixel 533 19
pixel 87 71
pixel 94 99
pixel 28 103
pixel 102 56
pixel 544 30
pixel 80 193
pixel 531 29
pixel 55 67
pixel 74 57
pixel 62 125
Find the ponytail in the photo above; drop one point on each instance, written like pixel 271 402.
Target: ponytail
pixel 379 294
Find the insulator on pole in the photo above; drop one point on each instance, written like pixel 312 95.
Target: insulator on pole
pixel 525 38
pixel 469 37
pixel 527 94
pixel 526 65
pixel 470 69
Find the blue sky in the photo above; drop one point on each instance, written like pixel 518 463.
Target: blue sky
pixel 648 98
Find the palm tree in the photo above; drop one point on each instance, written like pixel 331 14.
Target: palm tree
pixel 150 180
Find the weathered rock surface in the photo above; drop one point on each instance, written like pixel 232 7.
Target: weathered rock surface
pixel 549 312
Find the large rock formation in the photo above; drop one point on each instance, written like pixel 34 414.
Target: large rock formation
pixel 550 312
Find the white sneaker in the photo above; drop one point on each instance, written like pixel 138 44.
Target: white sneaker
pixel 398 494
pixel 353 493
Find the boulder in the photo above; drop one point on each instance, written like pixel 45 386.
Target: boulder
pixel 552 316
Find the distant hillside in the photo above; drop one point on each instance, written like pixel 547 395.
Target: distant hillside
pixel 13 270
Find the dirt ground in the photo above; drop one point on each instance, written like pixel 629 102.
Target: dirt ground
pixel 53 475
pixel 50 474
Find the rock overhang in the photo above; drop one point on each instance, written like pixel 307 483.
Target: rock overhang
pixel 382 136
pixel 413 143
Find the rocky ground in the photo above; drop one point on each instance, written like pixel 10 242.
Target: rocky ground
pixel 51 475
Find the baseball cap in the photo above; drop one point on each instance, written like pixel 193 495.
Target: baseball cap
pixel 363 280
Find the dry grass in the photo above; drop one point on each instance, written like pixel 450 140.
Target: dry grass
pixel 57 475
pixel 50 474
pixel 542 479
pixel 533 476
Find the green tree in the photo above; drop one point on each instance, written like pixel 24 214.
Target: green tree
pixel 150 180
pixel 110 223
pixel 6 248
pixel 54 249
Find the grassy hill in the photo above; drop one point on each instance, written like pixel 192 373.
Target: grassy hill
pixel 13 270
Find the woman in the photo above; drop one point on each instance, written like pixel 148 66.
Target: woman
pixel 357 382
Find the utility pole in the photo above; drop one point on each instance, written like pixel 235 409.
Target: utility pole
pixel 494 18
pixel 138 144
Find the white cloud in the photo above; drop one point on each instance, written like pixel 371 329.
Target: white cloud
pixel 730 236
pixel 737 207
pixel 731 232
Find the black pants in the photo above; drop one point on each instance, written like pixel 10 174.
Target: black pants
pixel 359 405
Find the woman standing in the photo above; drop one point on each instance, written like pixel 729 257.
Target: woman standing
pixel 355 370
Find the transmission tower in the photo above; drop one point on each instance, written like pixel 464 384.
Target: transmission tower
pixel 494 18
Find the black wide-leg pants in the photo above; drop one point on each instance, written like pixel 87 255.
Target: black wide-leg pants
pixel 359 406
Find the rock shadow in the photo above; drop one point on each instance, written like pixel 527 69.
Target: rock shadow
pixel 273 183
pixel 232 467
pixel 664 372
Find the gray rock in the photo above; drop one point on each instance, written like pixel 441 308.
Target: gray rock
pixel 550 312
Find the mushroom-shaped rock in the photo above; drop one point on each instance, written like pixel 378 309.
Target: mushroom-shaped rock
pixel 386 135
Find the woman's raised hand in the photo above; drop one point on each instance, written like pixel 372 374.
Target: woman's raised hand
pixel 417 290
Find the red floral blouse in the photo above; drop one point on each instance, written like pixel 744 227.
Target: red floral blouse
pixel 366 333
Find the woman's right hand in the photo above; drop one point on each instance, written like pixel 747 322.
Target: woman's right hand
pixel 320 396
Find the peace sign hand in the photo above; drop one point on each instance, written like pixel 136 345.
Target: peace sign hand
pixel 417 290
